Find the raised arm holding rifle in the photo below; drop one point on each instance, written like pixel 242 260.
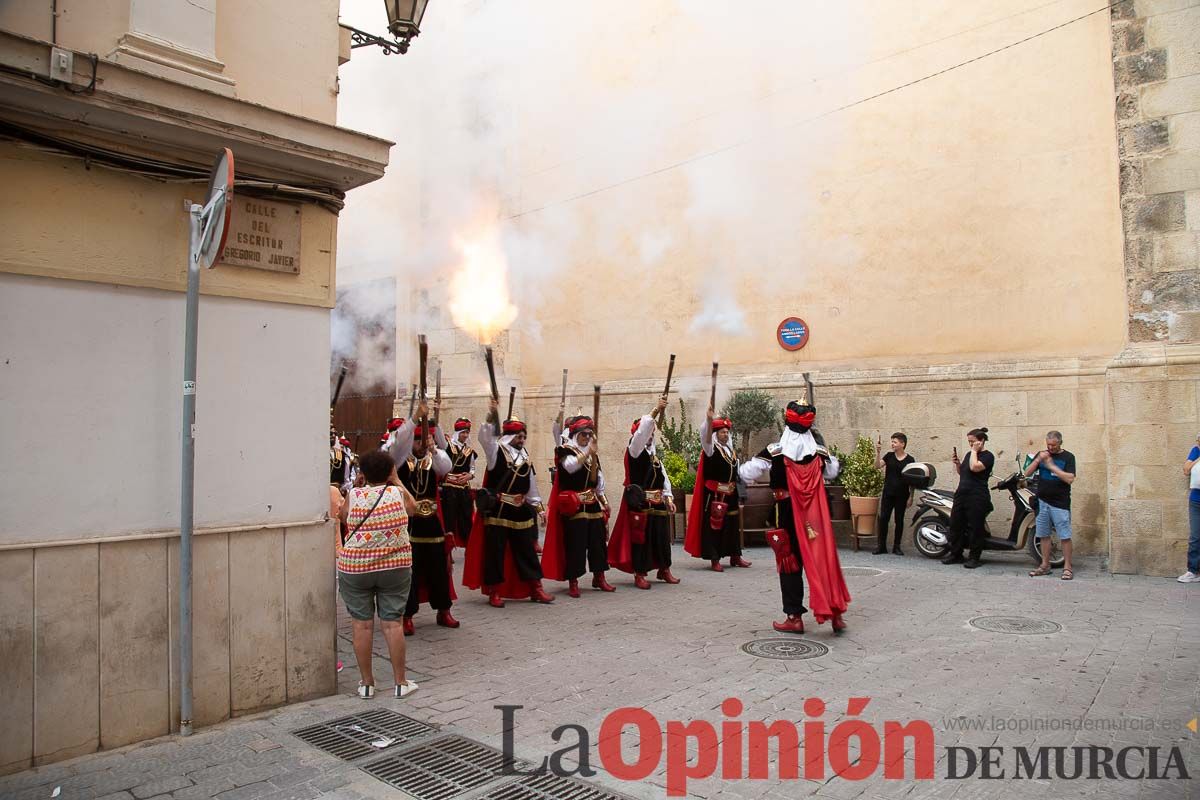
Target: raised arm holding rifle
pixel 641 538
pixel 502 556
pixel 713 530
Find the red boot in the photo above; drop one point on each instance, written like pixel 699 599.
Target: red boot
pixel 640 581
pixel 537 594
pixel 839 624
pixel 598 582
pixel 665 576
pixel 446 619
pixel 573 588
pixel 738 561
pixel 789 625
pixel 716 567
pixel 495 600
pixel 409 628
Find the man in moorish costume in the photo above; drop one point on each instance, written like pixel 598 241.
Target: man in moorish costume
pixel 803 535
pixel 576 529
pixel 713 531
pixel 502 557
pixel 421 462
pixel 458 508
pixel 641 538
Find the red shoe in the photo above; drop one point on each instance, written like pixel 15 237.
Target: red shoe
pixel 598 582
pixel 789 625
pixel 640 582
pixel 447 620
pixel 665 576
pixel 738 561
pixel 839 624
pixel 573 589
pixel 409 628
pixel 537 594
pixel 495 600
pixel 716 567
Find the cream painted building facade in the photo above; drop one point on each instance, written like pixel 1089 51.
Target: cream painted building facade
pixel 987 214
pixel 97 163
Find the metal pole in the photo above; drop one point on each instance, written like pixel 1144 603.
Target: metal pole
pixel 187 489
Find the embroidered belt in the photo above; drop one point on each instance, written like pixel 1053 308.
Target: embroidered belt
pixel 588 496
pixel 451 485
pixel 654 495
pixel 588 515
pixel 425 508
pixel 658 512
pixel 508 523
pixel 514 500
pixel 720 488
pixel 427 539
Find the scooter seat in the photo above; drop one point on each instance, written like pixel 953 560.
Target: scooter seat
pixel 942 492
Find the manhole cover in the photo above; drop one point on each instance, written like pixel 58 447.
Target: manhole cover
pixel 549 787
pixel 785 649
pixel 440 769
pixel 861 571
pixel 1018 625
pixel 363 734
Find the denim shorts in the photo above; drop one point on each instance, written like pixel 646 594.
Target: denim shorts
pixel 387 590
pixel 1058 518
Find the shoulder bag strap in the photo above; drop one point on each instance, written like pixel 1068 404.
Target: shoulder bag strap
pixel 364 519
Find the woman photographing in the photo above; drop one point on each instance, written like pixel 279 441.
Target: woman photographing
pixel 972 500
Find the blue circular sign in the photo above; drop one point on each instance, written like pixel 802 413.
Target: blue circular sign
pixel 792 333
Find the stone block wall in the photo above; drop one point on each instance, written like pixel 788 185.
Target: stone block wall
pixel 1156 66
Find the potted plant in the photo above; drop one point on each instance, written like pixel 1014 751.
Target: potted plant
pixel 864 484
pixel 683 481
pixel 839 506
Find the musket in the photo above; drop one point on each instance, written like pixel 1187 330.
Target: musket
pixel 809 398
pixel 338 391
pixel 667 389
pixel 512 395
pixel 423 356
pixel 712 398
pixel 563 402
pixel 491 367
pixel 596 410
pixel 412 400
pixel 437 394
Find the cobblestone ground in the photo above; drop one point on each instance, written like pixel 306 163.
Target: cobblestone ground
pixel 1129 649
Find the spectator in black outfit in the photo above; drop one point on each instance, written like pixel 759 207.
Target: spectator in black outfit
pixel 896 495
pixel 972 501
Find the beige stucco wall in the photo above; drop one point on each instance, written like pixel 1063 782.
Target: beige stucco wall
pixel 278 54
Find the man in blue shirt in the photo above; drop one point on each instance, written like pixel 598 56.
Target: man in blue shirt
pixel 1056 473
pixel 1191 467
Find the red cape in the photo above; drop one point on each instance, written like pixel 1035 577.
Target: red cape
pixel 513 587
pixel 693 540
pixel 620 545
pixel 827 590
pixel 554 555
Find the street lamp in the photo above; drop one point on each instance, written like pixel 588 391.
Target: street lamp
pixel 404 23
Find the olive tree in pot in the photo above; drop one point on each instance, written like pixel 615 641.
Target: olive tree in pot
pixel 751 411
pixel 864 484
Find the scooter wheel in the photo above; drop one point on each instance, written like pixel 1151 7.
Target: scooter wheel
pixel 926 546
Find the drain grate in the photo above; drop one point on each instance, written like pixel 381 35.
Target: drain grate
pixel 549 787
pixel 861 571
pixel 785 649
pixel 1016 625
pixel 351 737
pixel 440 769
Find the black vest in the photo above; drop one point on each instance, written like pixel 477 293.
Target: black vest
pixel 581 479
pixel 646 471
pixel 506 479
pixel 419 478
pixel 462 460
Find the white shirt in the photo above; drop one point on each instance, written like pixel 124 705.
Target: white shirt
pixel 400 446
pixel 491 444
pixel 642 441
pixel 796 446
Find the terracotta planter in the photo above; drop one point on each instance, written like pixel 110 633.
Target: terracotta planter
pixel 864 511
pixel 839 506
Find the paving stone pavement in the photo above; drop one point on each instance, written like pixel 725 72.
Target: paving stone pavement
pixel 1128 652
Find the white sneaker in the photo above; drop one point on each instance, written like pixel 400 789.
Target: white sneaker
pixel 406 688
pixel 366 692
pixel 1189 577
